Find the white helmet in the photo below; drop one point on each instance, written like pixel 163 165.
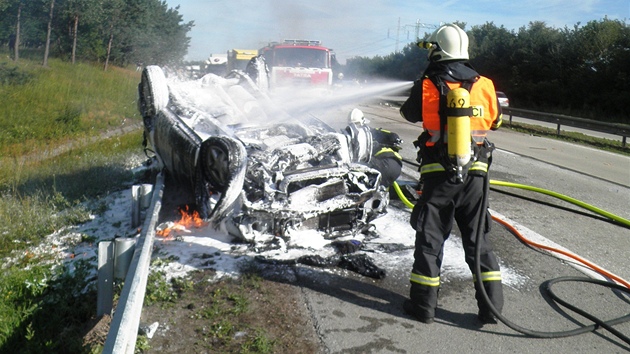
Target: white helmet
pixel 356 116
pixel 449 43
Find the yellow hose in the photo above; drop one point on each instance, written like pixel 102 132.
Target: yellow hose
pixel 565 198
pixel 587 206
pixel 402 197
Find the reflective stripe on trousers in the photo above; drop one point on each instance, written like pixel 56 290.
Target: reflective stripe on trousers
pixel 424 280
pixel 489 276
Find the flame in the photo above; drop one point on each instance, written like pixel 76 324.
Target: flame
pixel 188 220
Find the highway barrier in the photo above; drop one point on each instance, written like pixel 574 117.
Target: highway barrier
pixel 622 130
pixel 123 331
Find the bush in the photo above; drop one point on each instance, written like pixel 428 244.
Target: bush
pixel 12 75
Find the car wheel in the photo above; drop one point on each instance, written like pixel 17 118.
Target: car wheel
pixel 220 158
pixel 223 165
pixel 152 91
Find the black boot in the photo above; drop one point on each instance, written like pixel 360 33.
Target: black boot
pixel 422 302
pixel 417 312
pixel 494 290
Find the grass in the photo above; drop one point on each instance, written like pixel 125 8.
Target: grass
pixel 44 106
pixel 222 318
pixel 44 303
pixel 42 196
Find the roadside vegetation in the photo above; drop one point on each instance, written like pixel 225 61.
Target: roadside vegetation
pixel 46 125
pixel 50 176
pixel 244 315
pixel 47 107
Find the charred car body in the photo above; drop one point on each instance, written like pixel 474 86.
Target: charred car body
pixel 253 169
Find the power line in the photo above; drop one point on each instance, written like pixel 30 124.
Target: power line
pixel 416 27
pixel 365 49
pixel 361 46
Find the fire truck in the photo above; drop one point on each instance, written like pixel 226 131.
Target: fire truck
pixel 299 62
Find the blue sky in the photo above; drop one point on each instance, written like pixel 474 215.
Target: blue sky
pixel 367 27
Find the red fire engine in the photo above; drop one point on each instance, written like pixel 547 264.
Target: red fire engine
pixel 299 62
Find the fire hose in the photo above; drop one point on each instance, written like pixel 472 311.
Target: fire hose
pixel 620 285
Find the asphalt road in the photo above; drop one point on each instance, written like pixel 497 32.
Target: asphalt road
pixel 354 314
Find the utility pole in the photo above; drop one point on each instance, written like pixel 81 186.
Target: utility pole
pixel 419 25
pixel 397 36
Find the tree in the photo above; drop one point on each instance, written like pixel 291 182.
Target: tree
pixel 48 32
pixel 16 43
pixel 87 10
pixel 147 31
pixel 113 11
pixel 115 31
pixel 160 37
pixel 602 67
pixel 491 52
pixel 6 20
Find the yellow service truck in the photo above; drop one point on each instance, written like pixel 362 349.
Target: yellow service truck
pixel 237 59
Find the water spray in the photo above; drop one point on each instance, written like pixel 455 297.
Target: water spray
pixel 296 102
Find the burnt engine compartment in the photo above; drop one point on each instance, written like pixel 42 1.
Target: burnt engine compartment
pixel 308 181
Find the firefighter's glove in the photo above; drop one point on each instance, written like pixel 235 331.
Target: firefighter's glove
pixel 347 247
pixel 486 150
pixel 420 144
pixel 419 158
pixel 497 123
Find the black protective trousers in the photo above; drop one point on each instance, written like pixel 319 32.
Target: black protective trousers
pixel 442 202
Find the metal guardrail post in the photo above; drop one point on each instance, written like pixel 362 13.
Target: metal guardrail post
pixel 123 331
pixel 105 293
pixel 114 258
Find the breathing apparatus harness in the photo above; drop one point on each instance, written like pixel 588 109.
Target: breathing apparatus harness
pixel 460 152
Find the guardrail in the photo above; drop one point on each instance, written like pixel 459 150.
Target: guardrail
pixel 622 130
pixel 123 331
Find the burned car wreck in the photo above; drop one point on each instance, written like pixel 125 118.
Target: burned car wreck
pixel 255 170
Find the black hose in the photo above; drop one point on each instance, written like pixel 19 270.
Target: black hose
pixel 548 289
pixel 538 334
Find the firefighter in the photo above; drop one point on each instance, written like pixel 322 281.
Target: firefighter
pixel 451 191
pixel 377 147
pixel 385 155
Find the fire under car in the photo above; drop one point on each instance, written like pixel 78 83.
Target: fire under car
pixel 254 169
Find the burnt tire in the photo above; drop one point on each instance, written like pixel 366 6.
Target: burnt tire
pixel 220 158
pixel 152 91
pixel 222 164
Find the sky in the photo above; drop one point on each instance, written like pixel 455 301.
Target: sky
pixel 367 28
